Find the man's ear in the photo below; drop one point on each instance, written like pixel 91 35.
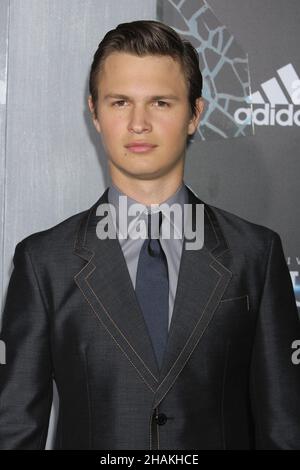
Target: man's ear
pixel 194 121
pixel 94 115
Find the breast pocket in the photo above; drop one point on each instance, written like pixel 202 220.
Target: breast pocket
pixel 242 299
pixel 233 318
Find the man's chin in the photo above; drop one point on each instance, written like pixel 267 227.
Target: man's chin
pixel 143 171
pixel 139 173
pixel 146 175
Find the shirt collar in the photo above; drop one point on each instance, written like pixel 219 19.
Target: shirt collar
pixel 179 197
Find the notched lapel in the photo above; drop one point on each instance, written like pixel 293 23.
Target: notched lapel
pixel 106 286
pixel 201 283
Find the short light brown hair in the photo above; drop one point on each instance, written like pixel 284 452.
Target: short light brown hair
pixel 149 37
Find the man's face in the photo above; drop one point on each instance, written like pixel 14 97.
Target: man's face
pixel 144 99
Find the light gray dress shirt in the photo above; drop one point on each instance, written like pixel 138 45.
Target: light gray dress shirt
pixel 131 247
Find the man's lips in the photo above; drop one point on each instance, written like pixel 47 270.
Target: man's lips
pixel 140 146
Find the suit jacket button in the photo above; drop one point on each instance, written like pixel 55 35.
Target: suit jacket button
pixel 161 419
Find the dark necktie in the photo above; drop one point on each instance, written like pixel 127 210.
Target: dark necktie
pixel 152 289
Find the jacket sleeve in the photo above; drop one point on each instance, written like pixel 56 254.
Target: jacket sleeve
pixel 274 379
pixel 26 376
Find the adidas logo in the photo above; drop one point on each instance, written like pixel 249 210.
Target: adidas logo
pixel 276 104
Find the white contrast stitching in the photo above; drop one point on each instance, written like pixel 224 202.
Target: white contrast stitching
pixel 183 349
pixel 188 341
pixel 114 337
pixel 116 326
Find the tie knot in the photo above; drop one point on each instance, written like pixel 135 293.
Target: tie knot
pixel 154 224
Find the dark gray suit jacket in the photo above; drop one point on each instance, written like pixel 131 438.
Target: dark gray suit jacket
pixel 227 380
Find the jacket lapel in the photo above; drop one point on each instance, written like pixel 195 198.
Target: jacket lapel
pixel 106 286
pixel 202 281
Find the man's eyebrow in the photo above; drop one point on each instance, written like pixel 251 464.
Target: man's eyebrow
pixel 154 97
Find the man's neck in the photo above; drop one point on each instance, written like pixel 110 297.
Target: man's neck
pixel 147 192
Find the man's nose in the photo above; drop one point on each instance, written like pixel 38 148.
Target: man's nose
pixel 139 120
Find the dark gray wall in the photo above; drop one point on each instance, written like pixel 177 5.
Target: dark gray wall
pixel 4 12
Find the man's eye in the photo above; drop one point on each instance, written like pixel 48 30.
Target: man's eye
pixel 119 103
pixel 162 104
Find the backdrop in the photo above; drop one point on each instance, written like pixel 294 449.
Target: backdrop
pixel 244 157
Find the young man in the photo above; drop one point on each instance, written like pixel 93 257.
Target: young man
pixel 152 345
